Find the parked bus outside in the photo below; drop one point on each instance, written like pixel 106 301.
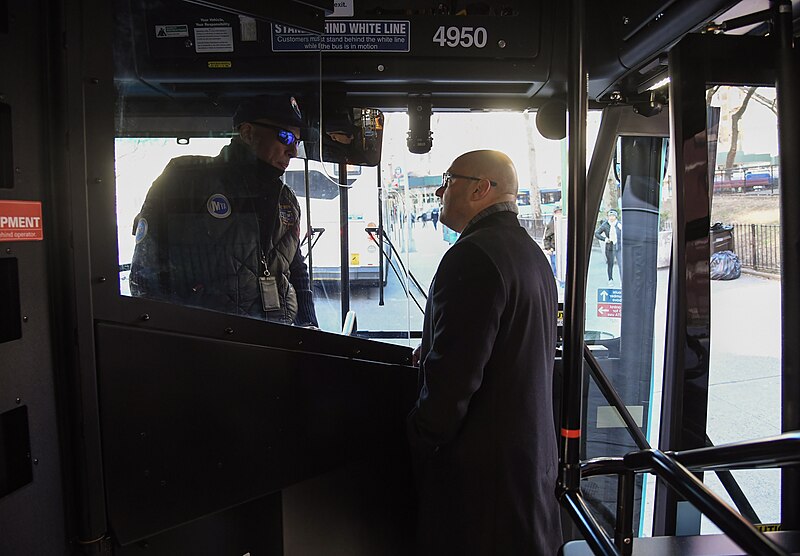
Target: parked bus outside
pixel 746 180
pixel 524 203
pixel 324 190
pixel 549 198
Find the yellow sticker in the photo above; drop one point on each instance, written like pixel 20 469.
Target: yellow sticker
pixel 355 259
pixel 219 65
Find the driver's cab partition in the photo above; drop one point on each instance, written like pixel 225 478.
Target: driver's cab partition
pixel 195 425
pixel 219 422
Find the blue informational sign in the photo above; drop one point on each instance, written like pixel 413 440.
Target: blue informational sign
pixel 609 295
pixel 345 36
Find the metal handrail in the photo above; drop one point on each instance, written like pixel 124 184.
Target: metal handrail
pixel 400 260
pixel 593 533
pixel 735 491
pixel 597 467
pixel 675 468
pixel 611 395
pixel 680 479
pixel 773 451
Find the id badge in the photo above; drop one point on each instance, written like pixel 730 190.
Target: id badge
pixel 269 293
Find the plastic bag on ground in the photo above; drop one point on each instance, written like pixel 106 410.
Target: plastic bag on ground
pixel 725 265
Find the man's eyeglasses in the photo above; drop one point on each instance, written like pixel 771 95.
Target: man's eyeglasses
pixel 447 177
pixel 284 135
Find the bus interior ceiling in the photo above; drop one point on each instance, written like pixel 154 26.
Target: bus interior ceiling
pixel 514 58
pixel 177 465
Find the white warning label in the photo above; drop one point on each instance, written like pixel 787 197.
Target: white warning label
pixel 171 31
pixel 344 36
pixel 342 8
pixel 213 39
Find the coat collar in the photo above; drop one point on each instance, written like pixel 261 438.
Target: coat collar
pixel 505 212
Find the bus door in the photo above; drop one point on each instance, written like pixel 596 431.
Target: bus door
pixel 626 291
pixel 723 376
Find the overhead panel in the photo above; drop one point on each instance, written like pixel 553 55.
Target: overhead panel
pixel 502 50
pixel 188 50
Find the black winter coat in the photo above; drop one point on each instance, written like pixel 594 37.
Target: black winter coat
pixel 482 432
pixel 603 232
pixel 202 232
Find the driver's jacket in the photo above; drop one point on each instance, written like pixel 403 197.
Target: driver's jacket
pixel 197 237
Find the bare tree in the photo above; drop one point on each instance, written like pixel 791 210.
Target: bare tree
pixel 530 126
pixel 735 117
pixel 771 104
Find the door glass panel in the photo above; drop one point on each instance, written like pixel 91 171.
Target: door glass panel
pixel 625 313
pixel 744 400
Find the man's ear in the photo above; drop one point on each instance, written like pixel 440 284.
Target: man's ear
pixel 246 133
pixel 482 188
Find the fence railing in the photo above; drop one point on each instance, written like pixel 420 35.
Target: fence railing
pixel 758 246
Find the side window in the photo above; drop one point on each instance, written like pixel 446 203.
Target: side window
pixel 744 391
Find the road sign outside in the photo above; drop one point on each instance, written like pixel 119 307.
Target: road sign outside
pixel 609 295
pixel 609 310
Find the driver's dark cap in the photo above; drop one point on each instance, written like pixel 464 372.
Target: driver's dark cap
pixel 280 109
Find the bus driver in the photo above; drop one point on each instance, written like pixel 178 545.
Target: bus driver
pixel 223 233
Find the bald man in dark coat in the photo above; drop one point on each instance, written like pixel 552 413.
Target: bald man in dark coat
pixel 482 431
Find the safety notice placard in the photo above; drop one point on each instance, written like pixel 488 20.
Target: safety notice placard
pixel 171 31
pixel 345 36
pixel 213 34
pixel 21 221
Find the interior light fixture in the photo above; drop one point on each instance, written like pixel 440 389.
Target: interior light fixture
pixel 658 84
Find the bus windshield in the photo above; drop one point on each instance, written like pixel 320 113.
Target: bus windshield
pixel 398 197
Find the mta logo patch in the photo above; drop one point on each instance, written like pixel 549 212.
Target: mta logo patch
pixel 286 212
pixel 141 230
pixel 218 206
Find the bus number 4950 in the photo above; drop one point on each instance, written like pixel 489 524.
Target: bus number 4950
pixel 460 36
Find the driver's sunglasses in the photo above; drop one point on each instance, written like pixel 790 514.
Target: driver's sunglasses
pixel 284 135
pixel 447 176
